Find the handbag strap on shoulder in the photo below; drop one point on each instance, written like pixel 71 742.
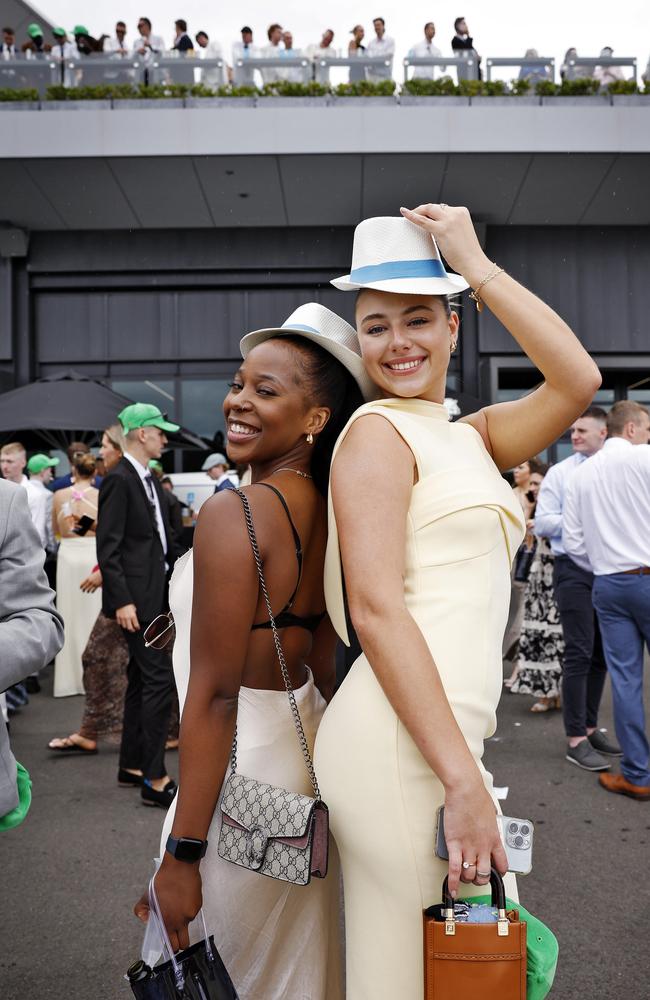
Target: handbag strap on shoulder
pixel 302 739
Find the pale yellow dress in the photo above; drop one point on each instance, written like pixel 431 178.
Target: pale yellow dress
pixel 463 528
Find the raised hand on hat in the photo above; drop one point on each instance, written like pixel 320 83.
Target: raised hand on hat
pixel 453 231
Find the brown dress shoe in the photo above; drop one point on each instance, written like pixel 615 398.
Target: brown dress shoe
pixel 617 783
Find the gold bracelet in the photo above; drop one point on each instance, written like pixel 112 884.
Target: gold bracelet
pixel 475 294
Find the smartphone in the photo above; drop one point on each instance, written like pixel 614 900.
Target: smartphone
pixel 516 834
pixel 84 525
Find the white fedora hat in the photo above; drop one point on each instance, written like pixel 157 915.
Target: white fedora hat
pixel 392 254
pixel 320 325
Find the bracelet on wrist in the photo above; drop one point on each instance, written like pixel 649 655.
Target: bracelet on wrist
pixel 476 293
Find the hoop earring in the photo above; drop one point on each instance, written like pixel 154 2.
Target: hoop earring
pixel 310 438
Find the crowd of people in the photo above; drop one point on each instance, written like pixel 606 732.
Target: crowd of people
pixel 279 44
pixel 321 542
pixel 576 610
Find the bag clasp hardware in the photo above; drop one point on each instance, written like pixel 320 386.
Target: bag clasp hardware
pixel 450 923
pixel 503 924
pixel 258 839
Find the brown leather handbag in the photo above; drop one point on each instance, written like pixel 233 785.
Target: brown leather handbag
pixel 464 960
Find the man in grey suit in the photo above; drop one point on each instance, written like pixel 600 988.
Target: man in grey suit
pixel 31 630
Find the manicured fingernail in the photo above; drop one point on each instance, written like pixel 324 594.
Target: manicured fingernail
pixel 453 894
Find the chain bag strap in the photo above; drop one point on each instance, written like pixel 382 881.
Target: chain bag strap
pixel 302 739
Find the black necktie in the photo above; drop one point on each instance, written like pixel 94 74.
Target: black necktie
pixel 152 497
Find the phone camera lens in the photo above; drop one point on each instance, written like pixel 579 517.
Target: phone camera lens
pixel 513 827
pixel 519 841
pixel 525 829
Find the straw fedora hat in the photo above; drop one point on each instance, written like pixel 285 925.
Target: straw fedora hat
pixel 320 325
pixel 392 254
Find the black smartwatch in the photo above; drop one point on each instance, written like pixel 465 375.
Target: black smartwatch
pixel 186 848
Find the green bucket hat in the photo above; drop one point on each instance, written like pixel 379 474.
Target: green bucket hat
pixel 17 815
pixel 34 30
pixel 39 462
pixel 144 415
pixel 542 950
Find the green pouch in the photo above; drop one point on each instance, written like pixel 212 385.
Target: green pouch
pixel 542 950
pixel 17 815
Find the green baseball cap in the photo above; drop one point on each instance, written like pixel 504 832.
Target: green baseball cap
pixel 39 462
pixel 80 30
pixel 34 30
pixel 144 415
pixel 59 32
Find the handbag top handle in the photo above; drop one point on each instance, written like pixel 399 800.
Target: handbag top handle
pixel 302 739
pixel 498 901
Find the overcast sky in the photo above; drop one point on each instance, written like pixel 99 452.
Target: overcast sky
pixel 501 28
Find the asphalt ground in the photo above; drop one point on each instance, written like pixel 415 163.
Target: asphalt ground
pixel 72 871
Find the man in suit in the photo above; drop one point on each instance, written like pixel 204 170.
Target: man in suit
pixel 216 466
pixel 30 626
pixel 136 551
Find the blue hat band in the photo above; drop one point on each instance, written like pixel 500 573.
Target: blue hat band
pixel 396 269
pixel 300 326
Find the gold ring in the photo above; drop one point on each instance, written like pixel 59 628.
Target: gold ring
pixel 469 864
pixel 483 874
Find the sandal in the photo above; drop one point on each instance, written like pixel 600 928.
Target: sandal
pixel 546 705
pixel 65 744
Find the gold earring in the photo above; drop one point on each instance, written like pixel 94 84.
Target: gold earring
pixel 310 438
pixel 454 345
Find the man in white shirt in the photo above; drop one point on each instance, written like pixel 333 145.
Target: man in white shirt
pixel 607 528
pixel 64 51
pixel 424 49
pixel 244 75
pixel 380 46
pixel 213 77
pixel 322 50
pixel 584 671
pixel 118 44
pixel 8 47
pixel 147 44
pixel 39 498
pixel 272 51
pixel 294 74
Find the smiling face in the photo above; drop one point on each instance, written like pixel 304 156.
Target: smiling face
pixel 588 435
pixel 268 414
pixel 405 342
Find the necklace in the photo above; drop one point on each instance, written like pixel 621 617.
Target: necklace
pixel 305 475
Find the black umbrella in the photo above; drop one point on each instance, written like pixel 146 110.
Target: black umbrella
pixel 66 407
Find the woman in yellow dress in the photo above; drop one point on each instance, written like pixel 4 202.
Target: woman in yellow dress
pixel 424 529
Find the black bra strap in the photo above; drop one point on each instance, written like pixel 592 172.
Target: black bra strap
pixel 296 541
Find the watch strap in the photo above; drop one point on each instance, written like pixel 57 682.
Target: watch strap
pixel 187 849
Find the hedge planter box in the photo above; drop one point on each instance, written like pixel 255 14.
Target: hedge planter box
pixel 76 105
pixel 146 103
pixel 293 102
pixel 631 100
pixel 363 102
pixel 582 101
pixel 19 105
pixel 220 102
pixel 431 100
pixel 503 101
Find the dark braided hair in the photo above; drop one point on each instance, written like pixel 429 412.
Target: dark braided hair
pixel 329 384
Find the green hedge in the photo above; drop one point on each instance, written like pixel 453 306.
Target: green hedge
pixel 285 88
pixel 9 94
pixel 366 88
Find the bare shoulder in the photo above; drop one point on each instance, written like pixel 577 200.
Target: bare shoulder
pixel 373 440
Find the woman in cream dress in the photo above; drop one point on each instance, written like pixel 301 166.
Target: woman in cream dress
pixel 76 557
pixel 424 529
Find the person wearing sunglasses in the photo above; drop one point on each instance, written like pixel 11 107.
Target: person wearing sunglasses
pixel 290 398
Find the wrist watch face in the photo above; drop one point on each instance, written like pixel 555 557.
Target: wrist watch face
pixel 188 849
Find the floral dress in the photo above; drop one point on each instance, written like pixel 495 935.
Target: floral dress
pixel 541 647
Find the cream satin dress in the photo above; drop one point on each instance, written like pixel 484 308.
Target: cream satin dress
pixel 278 941
pixel 463 528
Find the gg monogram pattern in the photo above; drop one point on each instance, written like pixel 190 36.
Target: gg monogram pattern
pixel 265 813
